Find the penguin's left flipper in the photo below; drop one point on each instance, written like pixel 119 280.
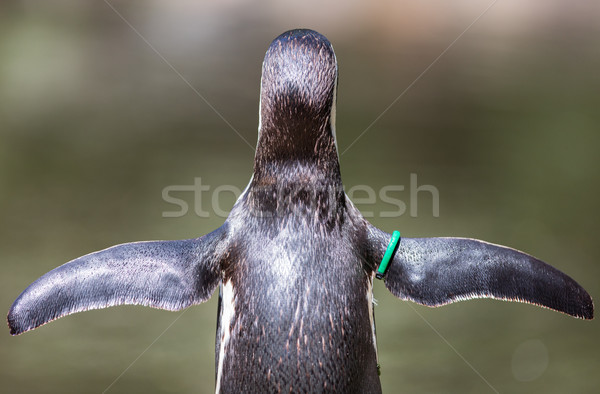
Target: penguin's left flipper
pixel 439 271
pixel 169 275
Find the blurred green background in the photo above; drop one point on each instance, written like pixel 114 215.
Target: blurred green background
pixel 94 124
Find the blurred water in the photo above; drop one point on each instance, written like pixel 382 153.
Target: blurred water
pixel 94 124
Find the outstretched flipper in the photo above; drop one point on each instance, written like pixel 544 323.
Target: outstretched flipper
pixel 169 275
pixel 439 271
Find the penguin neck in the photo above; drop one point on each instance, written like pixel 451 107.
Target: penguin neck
pixel 307 154
pixel 298 177
pixel 300 138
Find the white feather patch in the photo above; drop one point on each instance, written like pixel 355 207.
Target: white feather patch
pixel 227 314
pixel 371 302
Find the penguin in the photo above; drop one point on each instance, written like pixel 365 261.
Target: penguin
pixel 295 260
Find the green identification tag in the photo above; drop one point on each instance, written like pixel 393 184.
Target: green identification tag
pixel 392 246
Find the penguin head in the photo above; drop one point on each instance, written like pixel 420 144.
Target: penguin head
pixel 297 99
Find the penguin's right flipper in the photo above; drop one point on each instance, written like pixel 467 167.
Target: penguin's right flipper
pixel 169 275
pixel 439 271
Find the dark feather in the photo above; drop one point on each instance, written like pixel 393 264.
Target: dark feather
pixel 439 271
pixel 169 275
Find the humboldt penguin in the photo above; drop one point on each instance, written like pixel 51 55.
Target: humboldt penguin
pixel 295 260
